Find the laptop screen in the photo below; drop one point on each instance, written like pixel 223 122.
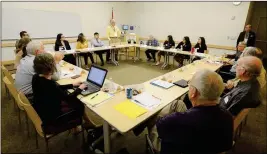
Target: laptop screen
pixel 97 75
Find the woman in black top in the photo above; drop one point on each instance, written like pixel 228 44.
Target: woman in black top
pixel 50 100
pixel 169 43
pixel 201 45
pixel 185 45
pixel 62 44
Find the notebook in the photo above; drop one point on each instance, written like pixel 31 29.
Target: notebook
pixel 130 109
pixel 163 84
pixel 146 100
pixel 96 98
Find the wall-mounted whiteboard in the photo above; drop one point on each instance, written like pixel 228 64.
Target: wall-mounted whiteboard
pixel 39 24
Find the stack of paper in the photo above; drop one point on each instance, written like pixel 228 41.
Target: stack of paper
pixel 130 109
pixel 69 51
pixel 66 74
pixel 163 84
pixel 96 98
pixel 146 100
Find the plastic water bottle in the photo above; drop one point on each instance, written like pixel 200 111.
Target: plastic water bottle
pixel 111 85
pixel 181 49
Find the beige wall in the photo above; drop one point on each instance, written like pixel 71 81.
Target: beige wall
pixel 219 22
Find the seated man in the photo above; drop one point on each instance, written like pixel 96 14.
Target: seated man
pixel 261 78
pixel 151 42
pixel 240 48
pixel 96 42
pixel 246 94
pixel 25 71
pixel 205 128
pixel 225 72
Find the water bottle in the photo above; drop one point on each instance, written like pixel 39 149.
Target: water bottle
pixel 111 85
pixel 181 49
pixel 129 93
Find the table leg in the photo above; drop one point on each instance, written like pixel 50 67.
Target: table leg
pixel 113 60
pixel 107 144
pixel 78 60
pixel 166 61
pixel 137 54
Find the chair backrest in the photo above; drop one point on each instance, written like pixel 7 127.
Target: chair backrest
pixel 240 117
pixel 32 114
pixel 12 90
pixel 7 74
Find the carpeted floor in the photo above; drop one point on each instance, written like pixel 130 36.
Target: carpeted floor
pixel 14 138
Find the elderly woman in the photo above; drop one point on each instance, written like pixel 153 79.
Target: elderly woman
pixel 51 101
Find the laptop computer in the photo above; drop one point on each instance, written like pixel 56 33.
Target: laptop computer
pixel 95 80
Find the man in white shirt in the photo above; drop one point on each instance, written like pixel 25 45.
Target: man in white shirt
pixel 96 42
pixel 25 71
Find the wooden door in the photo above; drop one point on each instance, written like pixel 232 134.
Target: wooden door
pixel 257 17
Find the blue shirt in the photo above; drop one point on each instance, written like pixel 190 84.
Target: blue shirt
pixel 153 42
pixel 201 129
pixel 97 43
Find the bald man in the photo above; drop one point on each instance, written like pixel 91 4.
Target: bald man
pixel 25 71
pixel 248 36
pixel 205 128
pixel 113 31
pixel 246 94
pixel 113 34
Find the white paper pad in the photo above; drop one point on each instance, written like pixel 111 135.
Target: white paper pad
pixel 146 100
pixel 66 74
pixel 163 84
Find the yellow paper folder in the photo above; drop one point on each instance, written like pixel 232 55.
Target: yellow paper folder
pixel 96 98
pixel 130 109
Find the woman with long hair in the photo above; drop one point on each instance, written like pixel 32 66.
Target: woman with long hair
pixel 62 44
pixel 169 43
pixel 201 45
pixel 81 44
pixel 184 45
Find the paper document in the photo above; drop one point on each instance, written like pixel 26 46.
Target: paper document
pixel 66 74
pixel 147 100
pixel 69 51
pixel 96 98
pixel 130 109
pixel 163 84
pixel 200 54
pixel 77 70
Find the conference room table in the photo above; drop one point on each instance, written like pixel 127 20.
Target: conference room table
pixel 137 52
pixel 122 123
pixel 96 49
pixel 169 52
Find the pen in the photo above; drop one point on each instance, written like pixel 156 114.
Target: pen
pixel 94 96
pixel 156 97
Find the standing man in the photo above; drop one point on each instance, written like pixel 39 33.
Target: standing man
pixel 96 42
pixel 113 34
pixel 248 36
